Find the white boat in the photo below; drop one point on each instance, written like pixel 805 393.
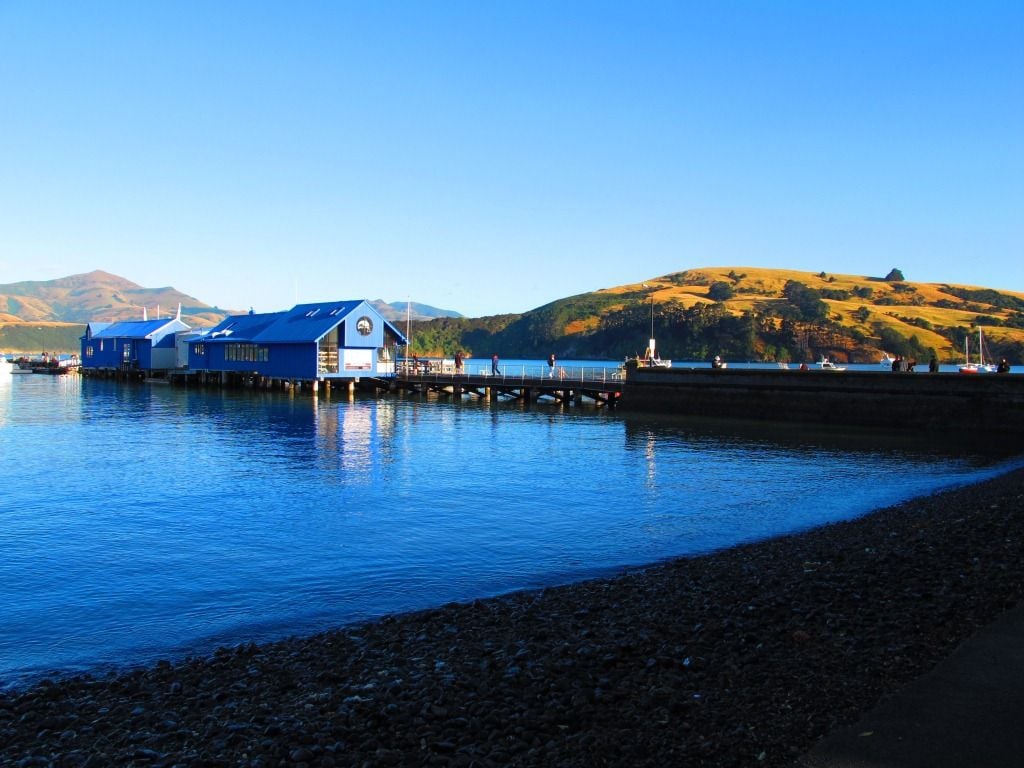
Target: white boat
pixel 827 365
pixel 887 360
pixel 650 358
pixel 981 366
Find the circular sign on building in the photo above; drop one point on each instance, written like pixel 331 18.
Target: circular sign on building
pixel 364 325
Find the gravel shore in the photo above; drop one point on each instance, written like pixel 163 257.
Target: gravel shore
pixel 743 657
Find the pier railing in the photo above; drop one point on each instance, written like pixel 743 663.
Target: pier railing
pixel 512 373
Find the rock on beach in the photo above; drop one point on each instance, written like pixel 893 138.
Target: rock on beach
pixel 742 657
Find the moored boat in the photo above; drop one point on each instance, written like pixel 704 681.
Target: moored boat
pixel 650 358
pixel 55 366
pixel 649 362
pixel 827 365
pixel 981 366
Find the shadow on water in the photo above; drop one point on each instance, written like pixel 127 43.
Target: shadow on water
pixel 978 449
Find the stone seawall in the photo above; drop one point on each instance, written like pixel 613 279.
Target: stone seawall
pixel 942 401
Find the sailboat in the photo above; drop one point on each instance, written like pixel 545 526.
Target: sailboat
pixel 981 366
pixel 650 358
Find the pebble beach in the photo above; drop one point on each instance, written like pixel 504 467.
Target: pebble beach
pixel 742 657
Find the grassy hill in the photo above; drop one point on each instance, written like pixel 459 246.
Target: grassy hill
pixel 747 313
pixel 98 296
pixel 50 315
pixel 741 313
pixel 38 337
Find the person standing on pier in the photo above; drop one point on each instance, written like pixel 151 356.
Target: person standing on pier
pixel 458 362
pixel 551 365
pixel 494 366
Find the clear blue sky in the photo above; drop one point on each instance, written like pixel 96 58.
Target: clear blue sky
pixel 490 157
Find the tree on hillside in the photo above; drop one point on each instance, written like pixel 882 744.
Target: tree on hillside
pixel 861 314
pixel 806 301
pixel 894 276
pixel 720 291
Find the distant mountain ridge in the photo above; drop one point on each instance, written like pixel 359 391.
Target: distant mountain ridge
pixel 98 296
pixel 102 296
pixel 398 312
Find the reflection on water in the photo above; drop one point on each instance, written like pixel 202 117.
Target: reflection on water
pixel 5 397
pixel 968 445
pixel 755 480
pixel 138 521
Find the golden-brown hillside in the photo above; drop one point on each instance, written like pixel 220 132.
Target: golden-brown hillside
pixel 908 308
pixel 98 296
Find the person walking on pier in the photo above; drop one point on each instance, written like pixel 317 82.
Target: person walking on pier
pixel 494 366
pixel 458 362
pixel 551 365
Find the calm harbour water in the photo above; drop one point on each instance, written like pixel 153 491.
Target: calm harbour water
pixel 142 522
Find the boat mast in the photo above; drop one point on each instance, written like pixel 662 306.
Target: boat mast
pixel 408 337
pixel 650 344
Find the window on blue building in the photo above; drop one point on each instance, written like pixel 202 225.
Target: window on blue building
pixel 246 353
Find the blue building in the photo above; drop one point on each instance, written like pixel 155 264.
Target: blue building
pixel 309 342
pixel 127 345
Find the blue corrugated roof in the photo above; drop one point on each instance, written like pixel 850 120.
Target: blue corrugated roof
pixel 136 329
pixel 242 327
pixel 308 322
pixel 301 323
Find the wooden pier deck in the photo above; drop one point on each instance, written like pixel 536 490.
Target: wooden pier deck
pixel 601 386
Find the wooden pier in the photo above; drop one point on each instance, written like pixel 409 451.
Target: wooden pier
pixel 602 387
pixel 986 406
